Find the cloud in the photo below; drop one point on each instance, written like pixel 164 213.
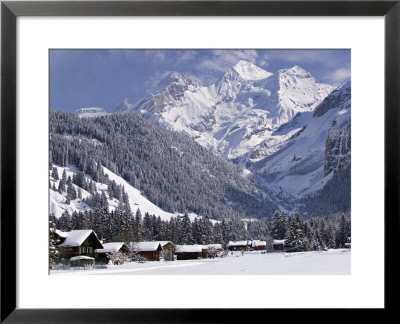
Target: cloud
pixel 213 63
pixel 338 76
pixel 327 58
pixel 153 80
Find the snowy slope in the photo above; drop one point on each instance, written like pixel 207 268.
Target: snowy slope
pixel 235 116
pixel 90 112
pixel 300 166
pixel 136 199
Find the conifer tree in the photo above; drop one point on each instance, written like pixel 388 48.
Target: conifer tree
pixel 295 238
pixel 138 230
pixel 54 240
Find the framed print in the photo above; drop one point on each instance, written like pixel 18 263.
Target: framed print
pixel 186 153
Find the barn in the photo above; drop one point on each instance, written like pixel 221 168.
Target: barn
pixel 279 245
pixel 78 242
pixel 188 252
pixel 238 245
pixel 149 250
pixel 259 245
pixel 167 252
pixel 102 255
pixel 211 250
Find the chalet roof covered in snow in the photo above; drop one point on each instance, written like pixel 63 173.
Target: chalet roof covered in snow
pixel 81 257
pixel 76 238
pixel 111 247
pixel 258 243
pixel 188 248
pixel 277 242
pixel 62 234
pixel 237 243
pixel 144 246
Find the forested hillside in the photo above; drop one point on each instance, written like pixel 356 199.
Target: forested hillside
pixel 171 169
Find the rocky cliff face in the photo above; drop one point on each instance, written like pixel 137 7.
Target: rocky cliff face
pixel 337 149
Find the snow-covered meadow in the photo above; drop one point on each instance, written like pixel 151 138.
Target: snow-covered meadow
pixel 250 263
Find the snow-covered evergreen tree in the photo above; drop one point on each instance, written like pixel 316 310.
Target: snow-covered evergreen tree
pixel 54 240
pixel 296 240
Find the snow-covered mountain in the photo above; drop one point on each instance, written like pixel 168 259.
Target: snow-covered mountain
pixel 316 145
pixel 58 203
pixel 236 116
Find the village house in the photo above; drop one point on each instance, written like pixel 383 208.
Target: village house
pixel 166 245
pixel 103 255
pixel 238 245
pixel 211 250
pixel 77 243
pixel 279 245
pixel 259 245
pixel 168 250
pixel 188 252
pixel 149 250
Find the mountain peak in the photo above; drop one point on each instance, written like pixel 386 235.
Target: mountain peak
pixel 297 71
pixel 250 71
pixel 176 77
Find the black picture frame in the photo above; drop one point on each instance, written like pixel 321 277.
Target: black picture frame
pixel 10 10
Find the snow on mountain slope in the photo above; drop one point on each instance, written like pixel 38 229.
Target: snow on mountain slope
pixel 90 112
pixel 136 199
pixel 249 71
pixel 236 116
pixel 305 160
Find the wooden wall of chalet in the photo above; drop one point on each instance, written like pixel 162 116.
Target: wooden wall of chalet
pixel 150 255
pixel 238 248
pixel 188 255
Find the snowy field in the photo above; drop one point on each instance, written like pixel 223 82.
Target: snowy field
pixel 254 263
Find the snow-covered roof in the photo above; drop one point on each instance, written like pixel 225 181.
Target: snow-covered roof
pixel 144 246
pixel 237 243
pixel 279 241
pixel 76 238
pixel 62 234
pixel 111 247
pixel 81 257
pixel 258 243
pixel 188 248
pixel 212 246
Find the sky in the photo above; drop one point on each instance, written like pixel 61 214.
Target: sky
pixel 103 78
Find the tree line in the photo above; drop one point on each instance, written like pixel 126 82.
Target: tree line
pixel 301 235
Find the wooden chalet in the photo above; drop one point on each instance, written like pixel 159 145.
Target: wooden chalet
pixel 211 250
pixel 77 243
pixel 238 245
pixel 279 245
pixel 167 245
pixel 103 255
pixel 188 252
pixel 149 250
pixel 259 245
